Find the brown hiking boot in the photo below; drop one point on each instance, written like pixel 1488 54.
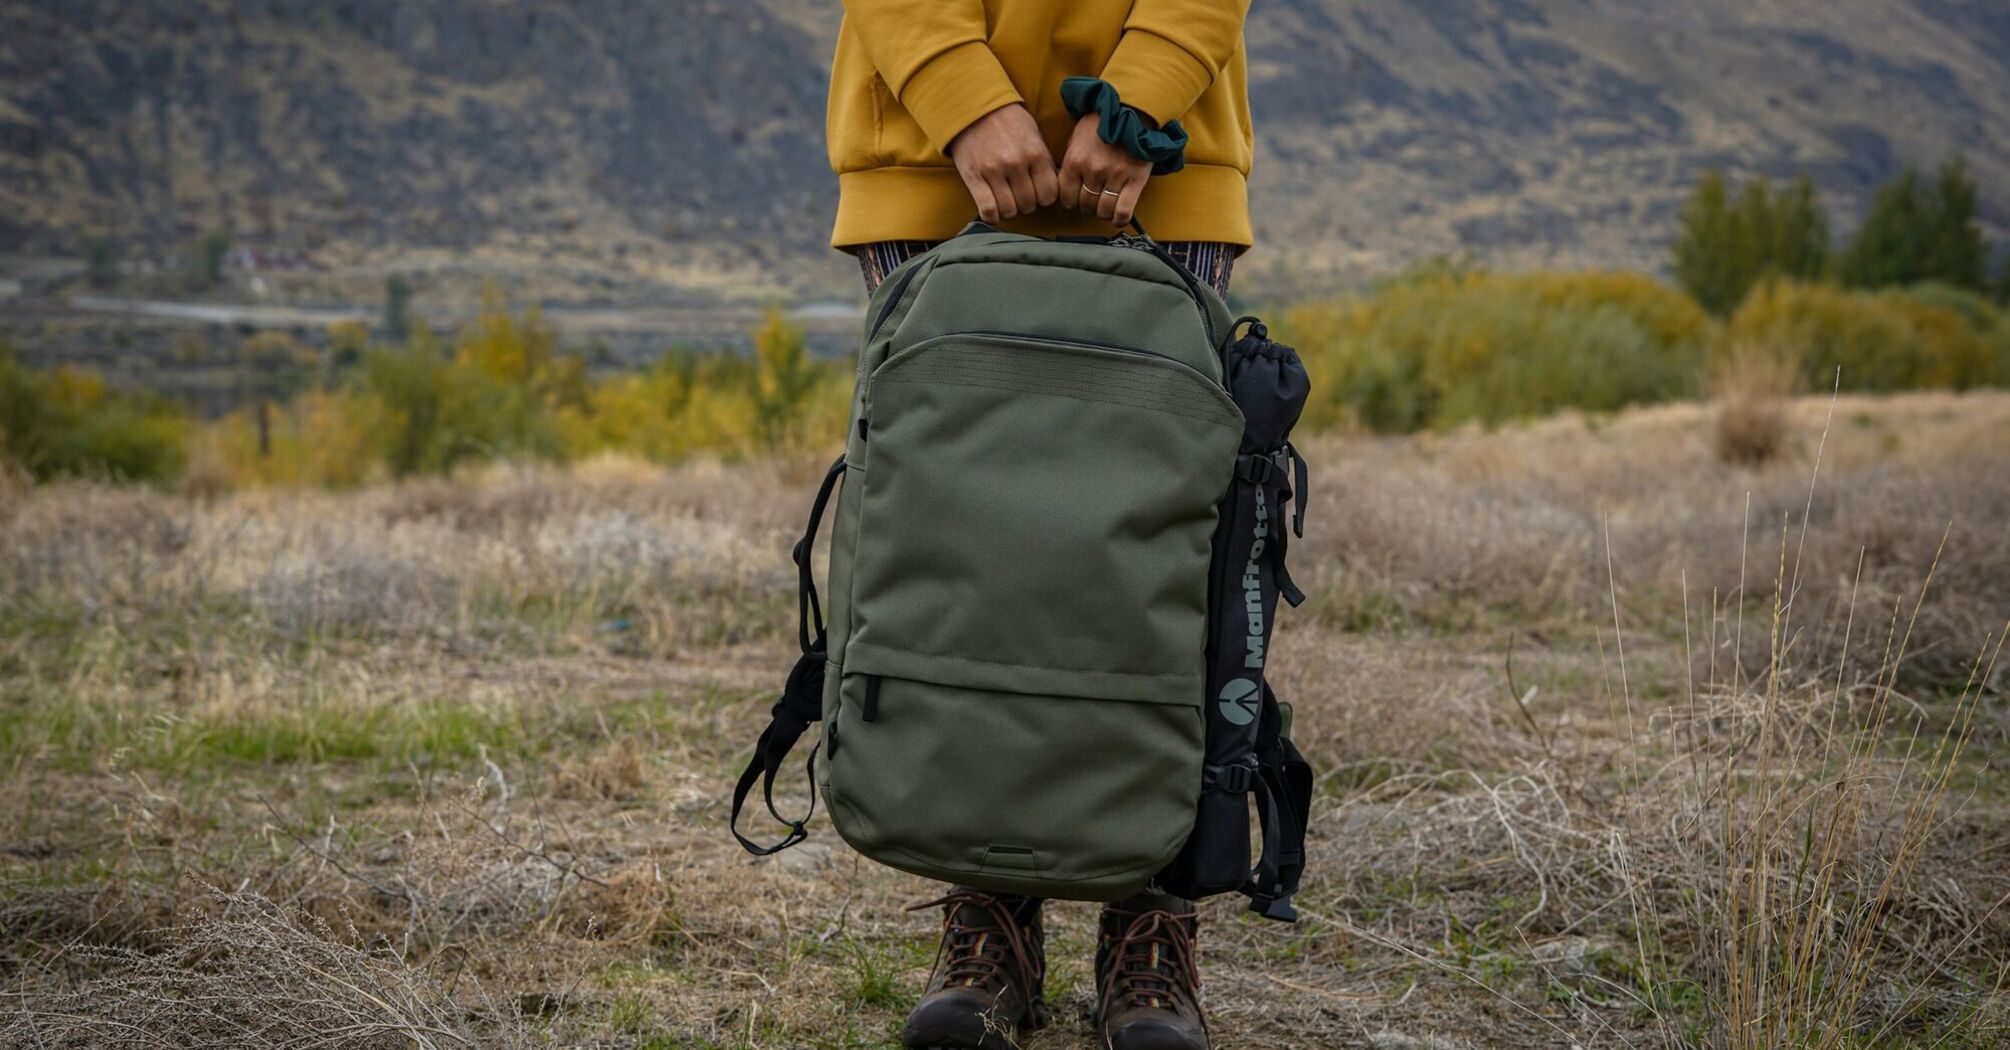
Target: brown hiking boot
pixel 986 985
pixel 1149 985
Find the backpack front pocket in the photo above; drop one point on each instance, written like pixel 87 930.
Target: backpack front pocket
pixel 1057 796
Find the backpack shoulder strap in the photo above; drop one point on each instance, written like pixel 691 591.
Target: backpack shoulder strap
pixel 801 702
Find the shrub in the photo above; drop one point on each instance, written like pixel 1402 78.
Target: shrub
pixel 69 423
pixel 498 395
pixel 1444 348
pixel 318 438
pixel 784 380
pixel 1750 385
pixel 1881 341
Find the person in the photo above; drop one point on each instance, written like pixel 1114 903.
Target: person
pixel 1049 117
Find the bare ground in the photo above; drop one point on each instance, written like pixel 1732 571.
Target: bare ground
pixel 1619 746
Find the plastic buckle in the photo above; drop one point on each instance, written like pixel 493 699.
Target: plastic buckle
pixel 1277 909
pixel 1233 780
pixel 1257 470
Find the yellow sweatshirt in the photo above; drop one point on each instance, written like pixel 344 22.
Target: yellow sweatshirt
pixel 911 74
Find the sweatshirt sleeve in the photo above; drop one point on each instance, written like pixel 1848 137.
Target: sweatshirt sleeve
pixel 934 57
pixel 1172 51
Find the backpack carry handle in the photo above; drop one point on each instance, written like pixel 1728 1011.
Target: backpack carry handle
pixel 978 225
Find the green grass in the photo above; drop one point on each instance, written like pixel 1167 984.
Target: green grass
pixel 81 733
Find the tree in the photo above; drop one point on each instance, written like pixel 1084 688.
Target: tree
pixel 1706 252
pixel 1955 251
pixel 101 262
pixel 1726 249
pixel 784 380
pixel 410 384
pixel 397 307
pixel 205 270
pixel 1916 233
pixel 1888 248
pixel 2003 282
pixel 1800 235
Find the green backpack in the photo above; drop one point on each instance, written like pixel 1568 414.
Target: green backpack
pixel 1036 676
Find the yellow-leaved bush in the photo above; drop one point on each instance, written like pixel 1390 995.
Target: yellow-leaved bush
pixel 1441 345
pixel 1445 346
pixel 1877 341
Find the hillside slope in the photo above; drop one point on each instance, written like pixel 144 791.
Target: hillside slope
pixel 676 144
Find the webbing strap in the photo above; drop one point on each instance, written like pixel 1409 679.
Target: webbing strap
pixel 1299 479
pixel 1286 587
pixel 1268 896
pixel 801 702
pixel 809 611
pixel 793 712
pixel 1283 472
pixel 1283 791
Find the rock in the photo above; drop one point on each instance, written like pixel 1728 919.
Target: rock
pixel 1571 955
pixel 809 858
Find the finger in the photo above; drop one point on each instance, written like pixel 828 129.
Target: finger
pixel 987 205
pixel 1046 184
pixel 1023 194
pixel 1068 192
pixel 1127 204
pixel 1092 191
pixel 1106 200
pixel 1001 191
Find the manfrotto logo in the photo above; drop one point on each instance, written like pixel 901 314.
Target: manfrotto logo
pixel 1238 701
pixel 1252 588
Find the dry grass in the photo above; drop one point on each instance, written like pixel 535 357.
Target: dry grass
pixel 254 974
pixel 1751 386
pixel 1622 745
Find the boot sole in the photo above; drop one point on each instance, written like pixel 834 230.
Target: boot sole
pixel 1036 1018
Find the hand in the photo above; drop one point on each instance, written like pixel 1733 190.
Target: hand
pixel 1005 164
pixel 1100 179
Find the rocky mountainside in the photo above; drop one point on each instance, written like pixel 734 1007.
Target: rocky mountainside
pixel 675 147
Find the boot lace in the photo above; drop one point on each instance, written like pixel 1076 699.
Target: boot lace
pixel 1152 964
pixel 978 956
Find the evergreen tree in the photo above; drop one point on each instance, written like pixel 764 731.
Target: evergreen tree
pixel 1955 252
pixel 101 262
pixel 1800 246
pixel 210 254
pixel 1752 236
pixel 397 307
pixel 1726 249
pixel 1706 251
pixel 1891 246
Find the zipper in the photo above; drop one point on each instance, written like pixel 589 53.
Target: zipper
pixel 1120 348
pixel 869 711
pixel 1192 289
pixel 1157 251
pixel 1148 246
pixel 893 300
